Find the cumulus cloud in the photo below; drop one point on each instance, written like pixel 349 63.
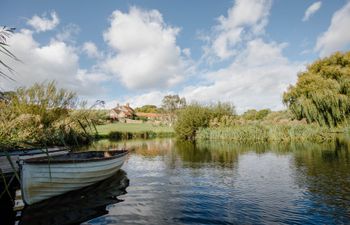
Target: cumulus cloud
pixel 257 74
pixel 255 79
pixel 146 55
pixel 337 37
pixel 311 10
pixel 44 23
pixel 148 98
pixel 91 50
pixel 245 20
pixel 55 61
pixel 68 33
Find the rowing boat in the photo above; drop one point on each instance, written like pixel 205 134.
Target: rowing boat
pixel 46 177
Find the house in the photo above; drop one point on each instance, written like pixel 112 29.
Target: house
pixel 121 113
pixel 156 118
pixel 150 116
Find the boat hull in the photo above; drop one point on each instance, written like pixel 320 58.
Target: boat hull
pixel 43 181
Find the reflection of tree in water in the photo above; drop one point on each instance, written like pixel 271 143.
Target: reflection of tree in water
pixel 324 171
pixel 220 152
pixel 227 152
pixel 148 148
pixel 197 154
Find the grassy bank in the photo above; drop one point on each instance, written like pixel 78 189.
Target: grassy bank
pixel 201 122
pixel 130 131
pixel 272 132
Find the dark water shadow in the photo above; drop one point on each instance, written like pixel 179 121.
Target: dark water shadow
pixel 77 206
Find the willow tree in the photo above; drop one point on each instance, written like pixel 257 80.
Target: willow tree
pixel 322 92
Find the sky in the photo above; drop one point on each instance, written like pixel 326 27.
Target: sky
pixel 245 52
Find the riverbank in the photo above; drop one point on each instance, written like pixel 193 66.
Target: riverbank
pixel 269 132
pixel 118 131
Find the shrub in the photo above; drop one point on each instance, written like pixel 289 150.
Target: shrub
pixel 253 114
pixel 196 116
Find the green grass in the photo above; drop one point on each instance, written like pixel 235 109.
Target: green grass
pixel 129 131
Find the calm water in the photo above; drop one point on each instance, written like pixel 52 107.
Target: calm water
pixel 168 182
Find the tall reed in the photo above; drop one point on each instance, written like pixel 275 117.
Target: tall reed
pixel 263 133
pixel 43 115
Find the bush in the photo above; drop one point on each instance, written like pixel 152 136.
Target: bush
pixel 196 116
pixel 253 114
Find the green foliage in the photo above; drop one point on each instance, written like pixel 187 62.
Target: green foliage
pixel 322 93
pixel 98 116
pixel 279 117
pixel 253 114
pixel 264 133
pixel 148 109
pixel 196 116
pixel 43 115
pixel 221 109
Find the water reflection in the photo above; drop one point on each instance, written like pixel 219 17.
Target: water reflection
pixel 326 176
pixel 176 182
pixel 77 206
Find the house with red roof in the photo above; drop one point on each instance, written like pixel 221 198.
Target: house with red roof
pixel 121 113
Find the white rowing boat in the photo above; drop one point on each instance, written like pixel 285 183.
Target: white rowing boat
pixel 46 177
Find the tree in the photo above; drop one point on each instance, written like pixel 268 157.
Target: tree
pixel 148 109
pixel 171 103
pixel 190 119
pixel 322 92
pixel 196 116
pixel 253 114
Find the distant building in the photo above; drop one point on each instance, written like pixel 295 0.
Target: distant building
pixel 121 113
pixel 150 116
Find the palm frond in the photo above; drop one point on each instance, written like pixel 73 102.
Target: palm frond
pixel 5 33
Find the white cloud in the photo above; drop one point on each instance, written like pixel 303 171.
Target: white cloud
pixel 68 33
pixel 146 56
pixel 258 73
pixel 148 98
pixel 91 50
pixel 54 61
pixel 44 23
pixel 337 37
pixel 311 10
pixel 255 79
pixel 245 20
pixel 186 52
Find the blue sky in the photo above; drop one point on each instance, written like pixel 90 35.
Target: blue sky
pixel 245 52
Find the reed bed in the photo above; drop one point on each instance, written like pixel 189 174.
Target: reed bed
pixel 43 115
pixel 265 133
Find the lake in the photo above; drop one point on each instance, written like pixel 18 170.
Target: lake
pixel 165 181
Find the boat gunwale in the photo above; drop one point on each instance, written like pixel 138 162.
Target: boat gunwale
pixel 52 160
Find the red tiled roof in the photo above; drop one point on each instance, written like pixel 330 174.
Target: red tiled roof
pixel 151 115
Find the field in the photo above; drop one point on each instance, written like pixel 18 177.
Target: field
pixel 138 130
